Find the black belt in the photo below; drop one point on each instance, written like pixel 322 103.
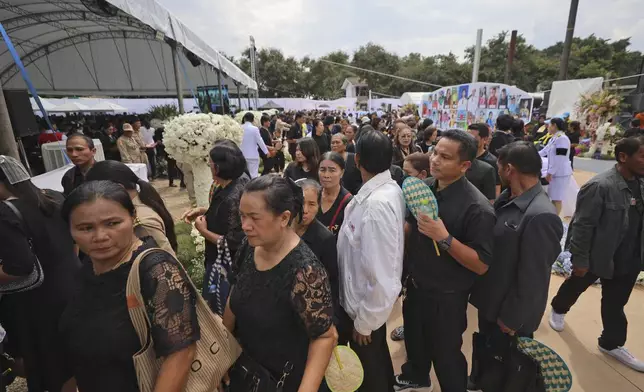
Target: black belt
pixel 562 151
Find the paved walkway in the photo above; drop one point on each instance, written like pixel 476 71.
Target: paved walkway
pixel 577 344
pixel 592 370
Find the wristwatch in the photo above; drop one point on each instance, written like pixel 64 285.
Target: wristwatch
pixel 445 244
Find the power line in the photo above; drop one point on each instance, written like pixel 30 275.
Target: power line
pixel 381 73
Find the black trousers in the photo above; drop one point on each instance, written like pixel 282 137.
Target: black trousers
pixel 269 163
pixel 173 170
pixel 434 326
pixel 280 161
pixel 376 361
pixel 151 153
pixel 615 295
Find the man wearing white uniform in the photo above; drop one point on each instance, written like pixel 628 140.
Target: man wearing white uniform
pixel 370 252
pixel 559 170
pixel 251 140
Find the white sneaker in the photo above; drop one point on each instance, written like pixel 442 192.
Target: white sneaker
pixel 556 321
pixel 624 356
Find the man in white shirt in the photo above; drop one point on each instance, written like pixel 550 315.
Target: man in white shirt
pixel 370 253
pixel 251 140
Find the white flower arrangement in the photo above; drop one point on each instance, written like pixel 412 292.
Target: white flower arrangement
pixel 198 240
pixel 190 137
pixel 257 114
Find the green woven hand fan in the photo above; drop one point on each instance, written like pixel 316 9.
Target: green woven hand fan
pixel 420 199
pixel 555 372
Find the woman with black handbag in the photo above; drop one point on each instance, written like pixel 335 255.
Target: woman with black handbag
pixel 280 308
pixel 219 224
pixel 36 277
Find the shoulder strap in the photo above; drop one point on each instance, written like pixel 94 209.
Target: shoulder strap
pixel 337 212
pixel 135 302
pixel 17 212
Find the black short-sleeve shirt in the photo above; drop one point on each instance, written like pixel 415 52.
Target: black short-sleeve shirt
pixel 491 160
pixel 295 132
pixel 483 177
pixel 469 218
pixel 296 172
pixel 338 206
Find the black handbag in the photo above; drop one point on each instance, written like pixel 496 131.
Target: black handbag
pixel 36 277
pixel 499 366
pixel 247 375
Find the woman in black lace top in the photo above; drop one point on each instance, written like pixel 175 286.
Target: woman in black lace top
pixel 96 327
pixel 219 224
pixel 280 308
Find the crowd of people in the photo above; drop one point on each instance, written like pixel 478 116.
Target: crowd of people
pixel 304 257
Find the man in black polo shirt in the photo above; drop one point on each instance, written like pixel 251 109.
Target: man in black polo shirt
pixel 482 135
pixel 512 296
pixel 295 133
pixel 439 285
pixel 503 134
pixel 483 177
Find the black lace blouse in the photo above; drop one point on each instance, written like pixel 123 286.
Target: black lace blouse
pixel 278 311
pixel 97 330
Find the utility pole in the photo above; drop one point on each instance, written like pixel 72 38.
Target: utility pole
pixel 477 56
pixel 570 31
pixel 511 51
pixel 253 68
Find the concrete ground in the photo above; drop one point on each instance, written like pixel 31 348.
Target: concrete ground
pixel 577 345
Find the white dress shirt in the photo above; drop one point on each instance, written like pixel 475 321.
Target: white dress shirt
pixel 147 134
pixel 251 140
pixel 370 253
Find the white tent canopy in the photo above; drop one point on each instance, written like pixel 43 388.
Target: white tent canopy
pixel 45 103
pixel 414 97
pixel 105 106
pixel 107 47
pixel 73 107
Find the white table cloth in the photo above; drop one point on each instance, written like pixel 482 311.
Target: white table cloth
pixel 51 180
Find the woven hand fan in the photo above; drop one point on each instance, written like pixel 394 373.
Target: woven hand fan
pixel 555 372
pixel 345 372
pixel 420 199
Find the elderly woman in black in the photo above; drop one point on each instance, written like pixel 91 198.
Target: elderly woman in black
pixel 32 231
pixel 220 224
pixel 280 308
pixel 96 326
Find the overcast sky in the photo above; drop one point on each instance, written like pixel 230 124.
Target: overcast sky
pixel 316 27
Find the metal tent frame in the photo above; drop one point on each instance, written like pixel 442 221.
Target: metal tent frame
pixel 108 48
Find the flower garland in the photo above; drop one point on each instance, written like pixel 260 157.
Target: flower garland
pixel 190 137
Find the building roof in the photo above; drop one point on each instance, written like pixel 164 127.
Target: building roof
pixel 354 80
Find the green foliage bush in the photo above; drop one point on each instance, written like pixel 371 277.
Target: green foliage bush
pixel 188 256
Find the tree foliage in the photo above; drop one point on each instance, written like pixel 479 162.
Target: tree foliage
pixel 533 69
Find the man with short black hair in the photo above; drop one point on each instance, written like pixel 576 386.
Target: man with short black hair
pixel 439 283
pixel 482 135
pixel 81 151
pixel 370 252
pixel 512 296
pixel 606 240
pixel 295 133
pixel 635 129
pixel 503 134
